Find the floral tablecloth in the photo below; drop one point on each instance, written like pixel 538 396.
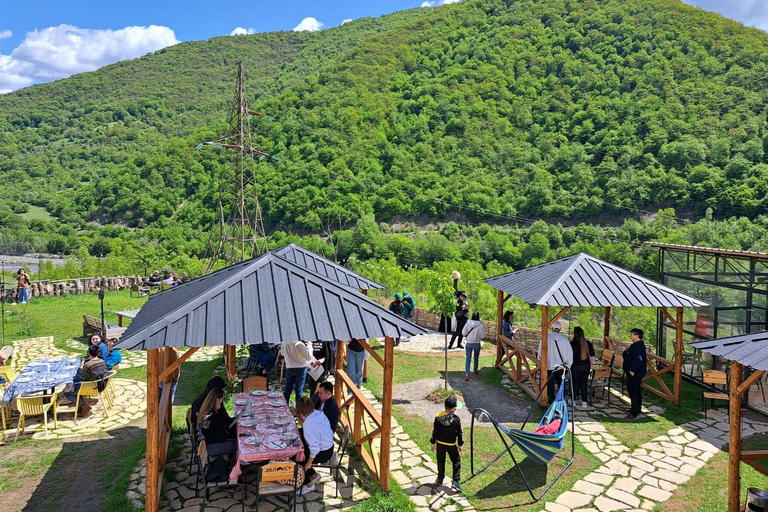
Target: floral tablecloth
pixel 41 375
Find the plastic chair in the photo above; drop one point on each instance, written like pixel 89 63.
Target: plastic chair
pixel 7 373
pixel 334 464
pixel 34 406
pixel 5 410
pixel 254 384
pixel 110 386
pixel 91 389
pixel 714 378
pixel 276 478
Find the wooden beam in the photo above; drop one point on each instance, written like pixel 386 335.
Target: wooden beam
pixel 230 360
pixel 499 319
pixel 172 367
pixel 677 381
pixel 544 355
pixel 386 412
pixel 756 375
pixel 372 352
pixel 734 449
pixel 666 314
pixel 152 498
pixel 606 326
pixel 558 316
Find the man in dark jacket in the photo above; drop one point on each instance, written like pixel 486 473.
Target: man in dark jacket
pixel 447 437
pixel 635 367
pixel 92 370
pixel 462 317
pixel 324 401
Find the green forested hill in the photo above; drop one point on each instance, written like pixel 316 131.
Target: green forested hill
pixel 487 110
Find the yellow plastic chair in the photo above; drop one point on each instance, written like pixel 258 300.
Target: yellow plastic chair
pixel 34 406
pixel 5 410
pixel 90 389
pixel 7 373
pixel 110 385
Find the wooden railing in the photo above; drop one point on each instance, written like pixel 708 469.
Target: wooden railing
pixel 520 365
pixel 657 366
pixel 370 430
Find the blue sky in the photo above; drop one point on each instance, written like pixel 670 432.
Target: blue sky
pixel 44 40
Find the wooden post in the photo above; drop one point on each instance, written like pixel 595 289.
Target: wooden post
pixel 678 378
pixel 341 350
pixel 499 320
pixel 606 326
pixel 152 498
pixel 734 450
pixel 230 360
pixel 544 353
pixel 386 412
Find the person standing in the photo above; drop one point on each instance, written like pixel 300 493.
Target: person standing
pixel 559 355
pixel 583 353
pixel 22 280
pixel 408 305
pixel 355 362
pixel 475 332
pixel 296 354
pixel 396 306
pixel 448 438
pixel 635 366
pixel 462 316
pixel 506 325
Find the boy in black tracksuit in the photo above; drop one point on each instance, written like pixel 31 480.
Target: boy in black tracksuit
pixel 447 437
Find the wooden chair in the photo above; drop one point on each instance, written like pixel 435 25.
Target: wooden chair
pixel 254 384
pixel 91 389
pixel 276 478
pixel 34 406
pixel 711 379
pixel 334 464
pixel 600 379
pixel 193 442
pixel 204 462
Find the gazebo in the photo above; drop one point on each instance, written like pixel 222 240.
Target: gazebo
pixel 582 280
pixel 266 299
pixel 746 350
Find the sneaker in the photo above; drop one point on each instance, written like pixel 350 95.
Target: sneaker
pixel 456 485
pixel 460 347
pixel 630 417
pixel 306 489
pixel 466 377
pixel 314 480
pixel 477 372
pixel 584 405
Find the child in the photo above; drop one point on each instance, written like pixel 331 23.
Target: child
pixel 448 438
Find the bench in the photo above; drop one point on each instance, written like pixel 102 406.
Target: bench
pixel 92 325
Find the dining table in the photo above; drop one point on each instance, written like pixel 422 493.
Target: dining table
pixel 42 375
pixel 266 429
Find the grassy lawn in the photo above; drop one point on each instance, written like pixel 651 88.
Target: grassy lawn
pixel 707 491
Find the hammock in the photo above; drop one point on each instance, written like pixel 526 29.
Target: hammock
pixel 540 448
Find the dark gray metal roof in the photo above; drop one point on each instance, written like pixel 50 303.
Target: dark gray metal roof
pixel 264 299
pixel 319 265
pixel 581 280
pixel 748 349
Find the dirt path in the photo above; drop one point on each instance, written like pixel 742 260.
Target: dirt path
pixel 502 406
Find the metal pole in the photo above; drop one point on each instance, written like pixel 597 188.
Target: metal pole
pixel 103 324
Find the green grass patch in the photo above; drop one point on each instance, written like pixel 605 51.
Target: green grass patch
pixel 36 212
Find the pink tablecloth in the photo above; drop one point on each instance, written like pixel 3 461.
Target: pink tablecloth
pixel 272 423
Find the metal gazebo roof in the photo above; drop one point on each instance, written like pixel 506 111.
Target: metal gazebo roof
pixel 324 267
pixel 264 299
pixel 582 280
pixel 748 349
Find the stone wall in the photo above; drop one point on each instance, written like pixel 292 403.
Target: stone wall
pixel 75 286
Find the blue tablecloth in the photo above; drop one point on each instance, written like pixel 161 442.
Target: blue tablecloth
pixel 42 375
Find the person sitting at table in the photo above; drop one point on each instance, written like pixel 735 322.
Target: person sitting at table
pixel 262 353
pixel 317 436
pixel 183 279
pixel 103 349
pixel 114 357
pixel 154 280
pixel 216 425
pixel 323 401
pixel 214 383
pixel 92 370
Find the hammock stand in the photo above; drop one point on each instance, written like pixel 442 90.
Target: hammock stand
pixel 540 448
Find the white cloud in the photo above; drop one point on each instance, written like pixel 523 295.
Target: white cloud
pixel 58 52
pixel 435 3
pixel 753 13
pixel 346 21
pixel 308 25
pixel 240 31
pixel 5 34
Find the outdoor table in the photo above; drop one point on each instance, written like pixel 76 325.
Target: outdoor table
pixel 129 313
pixel 272 423
pixel 42 375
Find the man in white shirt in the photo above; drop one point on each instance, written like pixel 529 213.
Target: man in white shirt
pixel 559 353
pixel 296 354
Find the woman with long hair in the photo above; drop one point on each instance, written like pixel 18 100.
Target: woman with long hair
pixel 583 352
pixel 214 423
pixel 317 436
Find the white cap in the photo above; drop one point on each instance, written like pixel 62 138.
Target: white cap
pixel 557 325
